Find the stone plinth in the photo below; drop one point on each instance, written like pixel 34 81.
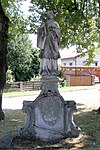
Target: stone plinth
pixel 49 118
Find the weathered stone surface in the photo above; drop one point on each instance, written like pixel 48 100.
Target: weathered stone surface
pixel 49 83
pixel 49 118
pixel 6 140
pixel 48 39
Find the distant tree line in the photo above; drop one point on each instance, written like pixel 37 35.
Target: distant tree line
pixel 79 22
pixel 23 59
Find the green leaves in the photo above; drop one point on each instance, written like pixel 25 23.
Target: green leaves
pixel 23 60
pixel 79 21
pixel 19 56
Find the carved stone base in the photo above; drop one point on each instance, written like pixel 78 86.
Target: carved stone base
pixel 49 118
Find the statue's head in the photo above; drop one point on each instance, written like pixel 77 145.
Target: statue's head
pixel 50 14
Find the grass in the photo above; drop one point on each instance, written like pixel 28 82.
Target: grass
pixel 17 93
pixel 14 119
pixel 89 138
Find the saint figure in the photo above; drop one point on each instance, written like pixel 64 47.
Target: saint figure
pixel 48 39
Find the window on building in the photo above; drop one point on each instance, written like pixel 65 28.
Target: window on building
pixel 96 64
pixel 64 64
pixel 70 64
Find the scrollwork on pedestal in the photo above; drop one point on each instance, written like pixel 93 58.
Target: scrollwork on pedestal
pixel 28 109
pixel 70 127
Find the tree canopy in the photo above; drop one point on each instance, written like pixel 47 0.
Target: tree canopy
pixel 19 57
pixel 23 59
pixel 79 21
pixel 20 51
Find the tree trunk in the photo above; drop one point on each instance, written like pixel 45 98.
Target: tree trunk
pixel 99 7
pixel 4 24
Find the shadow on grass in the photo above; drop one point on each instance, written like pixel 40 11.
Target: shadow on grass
pixel 89 138
pixel 80 107
pixel 13 121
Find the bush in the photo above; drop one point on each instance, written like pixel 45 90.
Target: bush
pixel 9 76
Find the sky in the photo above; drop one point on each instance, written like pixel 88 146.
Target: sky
pixel 25 8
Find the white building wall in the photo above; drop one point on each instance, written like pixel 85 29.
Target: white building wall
pixel 67 62
pixel 97 58
pixel 79 61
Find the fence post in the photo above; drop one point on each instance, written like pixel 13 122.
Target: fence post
pixel 21 86
pixel 68 80
pixel 33 85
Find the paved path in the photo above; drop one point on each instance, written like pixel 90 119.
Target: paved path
pixel 89 98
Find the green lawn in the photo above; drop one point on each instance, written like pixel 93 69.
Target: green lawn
pixel 17 93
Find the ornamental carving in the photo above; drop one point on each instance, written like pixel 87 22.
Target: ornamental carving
pixel 50 109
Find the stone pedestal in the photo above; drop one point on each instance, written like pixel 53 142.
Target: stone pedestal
pixel 49 118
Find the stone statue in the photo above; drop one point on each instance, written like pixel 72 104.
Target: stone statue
pixel 49 118
pixel 48 39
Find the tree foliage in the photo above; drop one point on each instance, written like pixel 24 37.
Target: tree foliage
pixel 22 58
pixel 35 63
pixel 79 21
pixel 19 56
